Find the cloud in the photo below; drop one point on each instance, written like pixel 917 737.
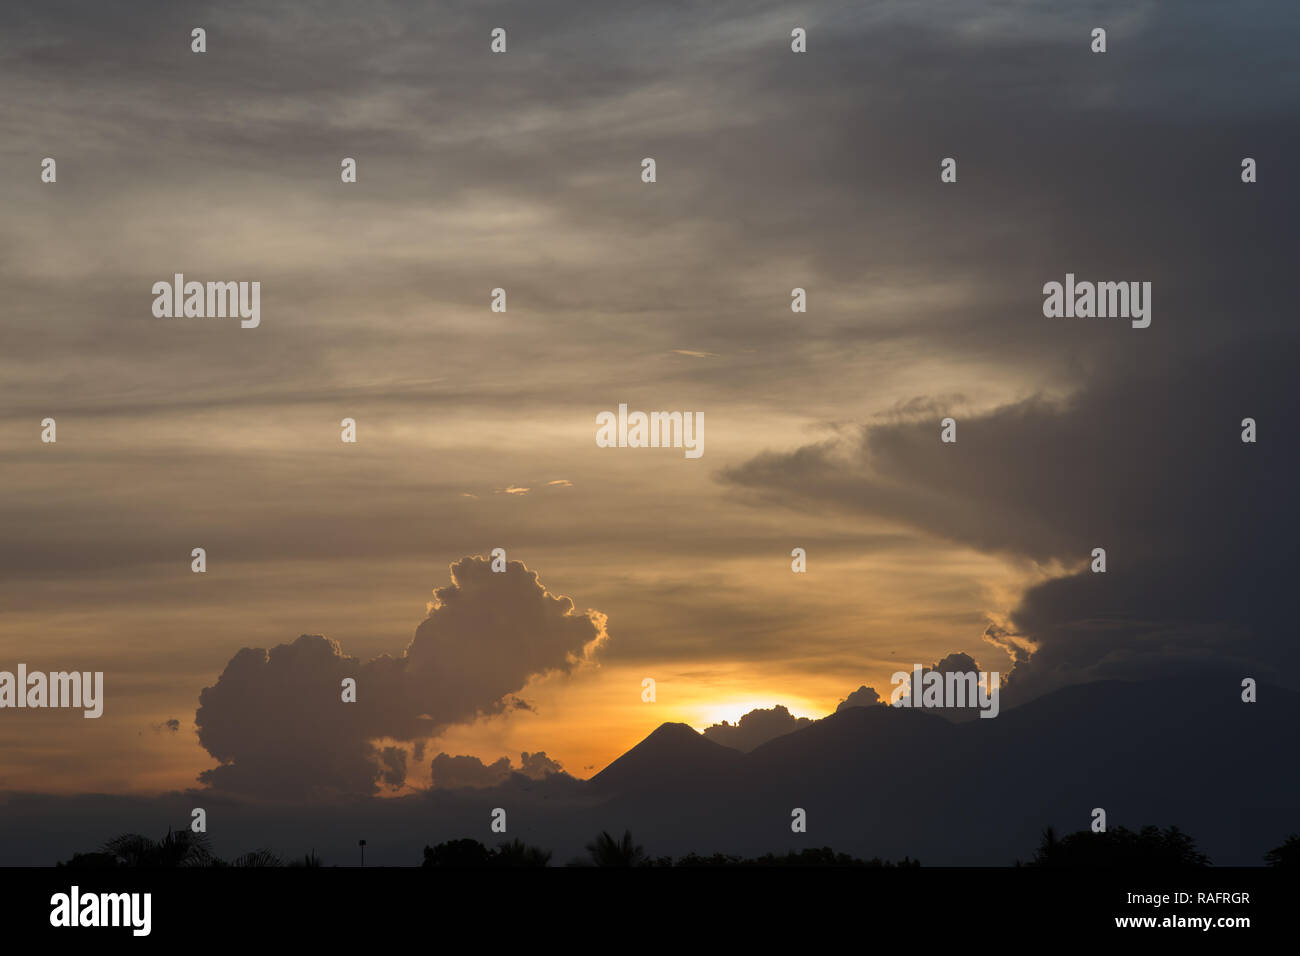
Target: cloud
pixel 1145 461
pixel 955 663
pixel 915 288
pixel 450 773
pixel 392 763
pixel 276 722
pixel 755 728
pixel 538 765
pixel 864 696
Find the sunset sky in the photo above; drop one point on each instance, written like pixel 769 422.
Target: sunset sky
pixel 476 429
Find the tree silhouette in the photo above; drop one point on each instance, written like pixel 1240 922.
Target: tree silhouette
pixel 91 861
pixel 470 854
pixel 1148 848
pixel 457 853
pixel 178 848
pixel 262 857
pixel 820 856
pixel 517 853
pixel 1288 854
pixel 606 851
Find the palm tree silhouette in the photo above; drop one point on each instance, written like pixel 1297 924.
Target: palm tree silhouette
pixel 517 853
pixel 177 848
pixel 1286 854
pixel 262 857
pixel 606 851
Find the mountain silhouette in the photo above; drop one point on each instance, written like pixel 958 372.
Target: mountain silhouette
pixel 872 781
pixel 893 781
pixel 674 754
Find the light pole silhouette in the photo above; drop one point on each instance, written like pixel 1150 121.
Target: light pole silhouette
pixel 362 844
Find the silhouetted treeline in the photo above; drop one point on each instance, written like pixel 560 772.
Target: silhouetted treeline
pixel 472 854
pixel 1147 848
pixel 608 850
pixel 179 848
pixel 822 856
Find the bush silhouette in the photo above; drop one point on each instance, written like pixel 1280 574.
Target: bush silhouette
pixel 457 853
pixel 1148 848
pixel 470 854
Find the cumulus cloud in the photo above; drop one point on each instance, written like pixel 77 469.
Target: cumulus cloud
pixel 538 765
pixel 755 728
pixel 276 721
pixel 955 663
pixel 864 696
pixel 451 773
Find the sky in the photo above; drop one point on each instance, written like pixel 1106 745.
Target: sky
pixel 476 429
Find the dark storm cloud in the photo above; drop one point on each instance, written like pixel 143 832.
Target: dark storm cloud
pixel 1199 528
pixel 277 722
